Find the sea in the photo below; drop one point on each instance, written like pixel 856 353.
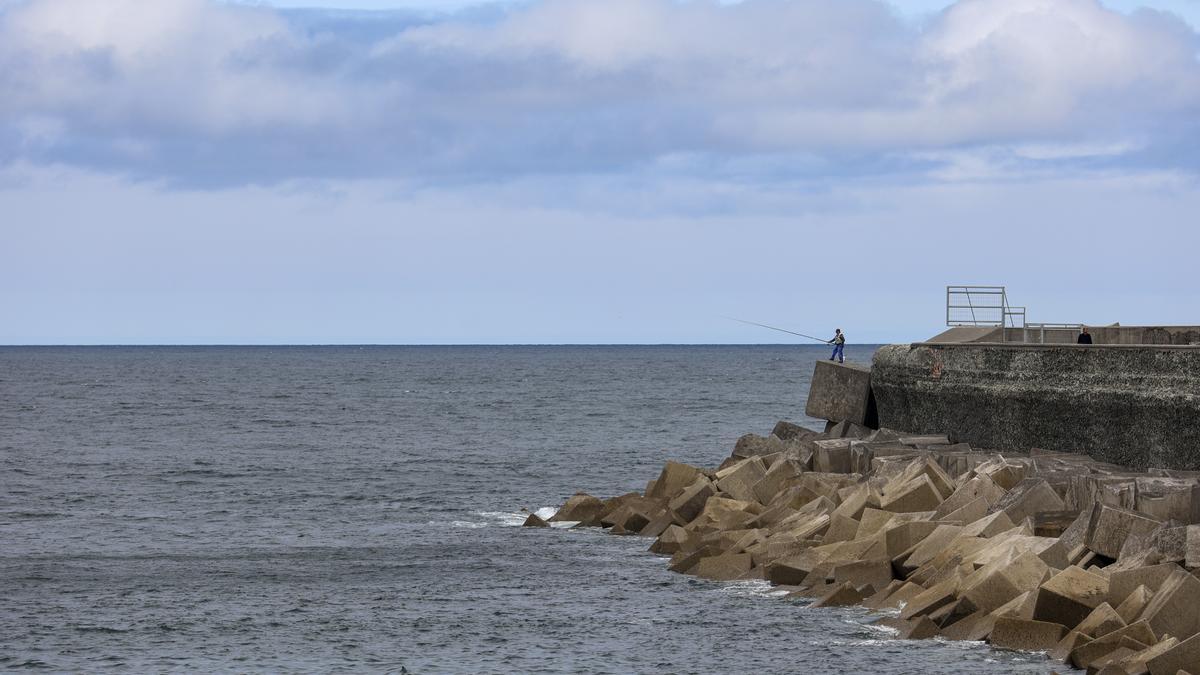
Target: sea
pixel 359 509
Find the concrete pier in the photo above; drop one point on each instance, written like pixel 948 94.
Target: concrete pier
pixel 1134 405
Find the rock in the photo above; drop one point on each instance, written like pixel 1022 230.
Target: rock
pixel 1112 526
pixel 692 499
pixel 534 521
pixel 581 507
pixel 841 595
pixel 1069 596
pixel 1025 634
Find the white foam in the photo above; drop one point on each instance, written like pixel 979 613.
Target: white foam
pixel 505 518
pixel 463 523
pixel 752 588
pixel 545 512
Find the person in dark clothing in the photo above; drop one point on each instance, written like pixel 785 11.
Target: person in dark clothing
pixel 839 343
pixel 1085 338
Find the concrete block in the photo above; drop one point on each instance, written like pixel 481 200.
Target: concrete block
pixel 670 541
pixel 787 431
pixel 1123 582
pixel 989 526
pixel 673 478
pixel 1173 609
pixel 1102 621
pixel 1111 526
pixel 1138 663
pixel 841 393
pixel 1073 640
pixel 1028 498
pixel 777 477
pixel 904 536
pixel 689 503
pixel 842 595
pixel 841 528
pixel 861 573
pixel 725 567
pixel 1168 499
pixel 1131 607
pixel 902 596
pixel 920 629
pixel 832 456
pixel 1192 547
pixel 580 507
pixel 977 487
pixel 967 514
pixel 967 628
pixel 932 599
pixel 1095 652
pixel 739 481
pixel 1025 635
pixel 534 521
pixel 1069 596
pixel 918 494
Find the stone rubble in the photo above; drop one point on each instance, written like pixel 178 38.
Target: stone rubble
pixel 1092 563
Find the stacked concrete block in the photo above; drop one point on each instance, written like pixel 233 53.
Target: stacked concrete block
pixel 1046 552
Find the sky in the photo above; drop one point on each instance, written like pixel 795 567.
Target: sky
pixel 589 171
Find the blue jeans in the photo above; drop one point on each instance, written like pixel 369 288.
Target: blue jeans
pixel 837 353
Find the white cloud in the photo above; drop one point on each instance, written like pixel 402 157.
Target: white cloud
pixel 197 91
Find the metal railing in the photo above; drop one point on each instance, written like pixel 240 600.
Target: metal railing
pixel 1041 329
pixel 982 306
pixel 987 306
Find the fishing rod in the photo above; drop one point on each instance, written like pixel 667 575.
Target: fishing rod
pixel 781 330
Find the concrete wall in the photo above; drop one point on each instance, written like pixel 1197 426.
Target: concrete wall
pixel 1136 406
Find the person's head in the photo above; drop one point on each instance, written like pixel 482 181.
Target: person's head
pixel 1083 329
pixel 837 330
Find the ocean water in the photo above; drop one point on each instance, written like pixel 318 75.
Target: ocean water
pixel 321 509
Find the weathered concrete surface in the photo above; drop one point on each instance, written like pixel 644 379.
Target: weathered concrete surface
pixel 1134 406
pixel 841 392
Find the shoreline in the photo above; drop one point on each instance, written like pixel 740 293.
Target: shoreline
pixel 1090 562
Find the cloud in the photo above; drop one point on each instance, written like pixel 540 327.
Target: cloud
pixel 197 92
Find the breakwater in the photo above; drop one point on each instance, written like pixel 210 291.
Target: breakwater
pixel 1055 552
pixel 1134 405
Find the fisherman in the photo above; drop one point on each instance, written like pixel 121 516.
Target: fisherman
pixel 839 343
pixel 1085 338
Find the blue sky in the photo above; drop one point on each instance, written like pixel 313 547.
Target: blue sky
pixel 580 171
